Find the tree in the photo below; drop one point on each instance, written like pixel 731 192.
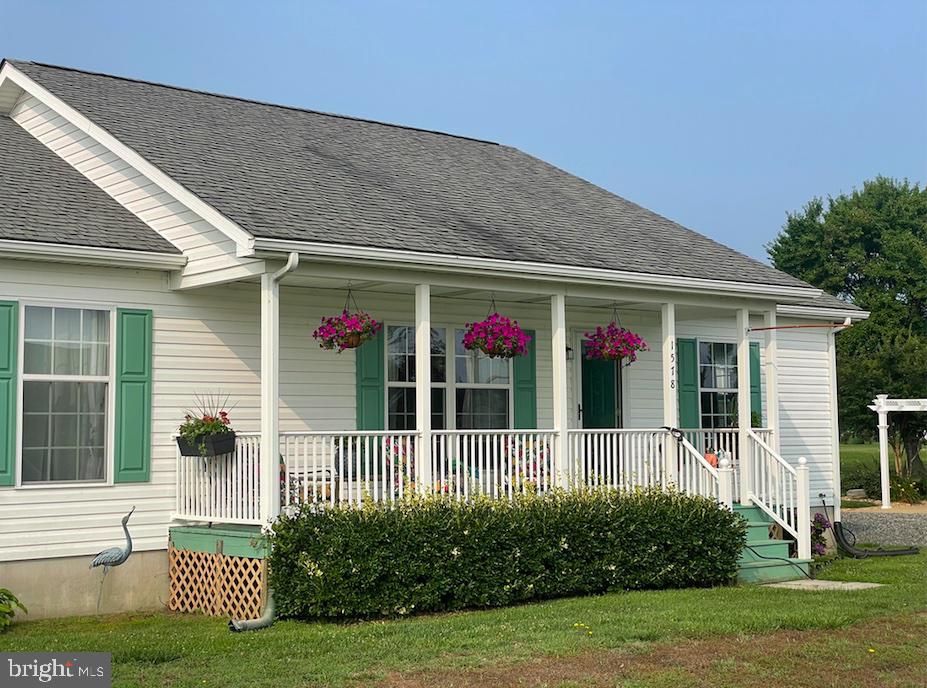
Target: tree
pixel 870 248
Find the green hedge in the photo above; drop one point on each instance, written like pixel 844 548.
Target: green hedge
pixel 436 554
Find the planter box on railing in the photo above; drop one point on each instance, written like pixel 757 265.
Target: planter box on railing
pixel 211 445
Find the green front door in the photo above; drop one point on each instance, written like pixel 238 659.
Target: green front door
pixel 601 404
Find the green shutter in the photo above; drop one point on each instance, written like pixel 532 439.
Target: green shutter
pixel 524 372
pixel 370 384
pixel 687 383
pixel 133 395
pixel 756 391
pixel 9 346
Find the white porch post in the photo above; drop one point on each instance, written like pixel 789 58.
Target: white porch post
pixel 559 372
pixel 270 396
pixel 743 405
pixel 726 483
pixel 771 354
pixel 881 409
pixel 670 397
pixel 804 508
pixel 423 385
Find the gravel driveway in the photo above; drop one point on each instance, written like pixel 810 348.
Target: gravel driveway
pixel 887 528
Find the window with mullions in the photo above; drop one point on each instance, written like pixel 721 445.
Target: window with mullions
pixel 66 383
pixel 400 378
pixel 482 387
pixel 718 384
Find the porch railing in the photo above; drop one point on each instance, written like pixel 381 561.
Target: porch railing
pixel 349 467
pixel 616 458
pixel 694 475
pixel 221 489
pixel 781 490
pixel 715 440
pixel 495 463
pixel 334 467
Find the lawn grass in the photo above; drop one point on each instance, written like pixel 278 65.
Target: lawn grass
pixel 186 650
pixel 856 504
pixel 852 455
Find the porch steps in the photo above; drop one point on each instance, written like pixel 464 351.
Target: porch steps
pixel 752 566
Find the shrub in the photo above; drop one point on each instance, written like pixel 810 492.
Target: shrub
pixel 907 490
pixel 8 606
pixel 862 476
pixel 435 554
pixel 869 478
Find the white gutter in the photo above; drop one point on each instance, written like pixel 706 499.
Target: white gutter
pixel 90 255
pixel 453 262
pixel 821 312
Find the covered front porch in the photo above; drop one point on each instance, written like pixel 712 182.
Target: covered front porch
pixel 460 424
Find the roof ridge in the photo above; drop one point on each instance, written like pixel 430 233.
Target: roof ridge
pixel 254 101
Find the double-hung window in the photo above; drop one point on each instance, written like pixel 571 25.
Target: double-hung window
pixel 66 388
pixel 477 392
pixel 482 388
pixel 400 378
pixel 718 384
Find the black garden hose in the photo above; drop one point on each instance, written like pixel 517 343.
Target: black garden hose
pixel 847 547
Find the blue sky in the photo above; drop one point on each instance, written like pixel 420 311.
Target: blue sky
pixel 720 115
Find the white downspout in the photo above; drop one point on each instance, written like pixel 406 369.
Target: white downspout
pixel 270 390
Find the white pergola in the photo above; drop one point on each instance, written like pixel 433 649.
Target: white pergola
pixel 883 406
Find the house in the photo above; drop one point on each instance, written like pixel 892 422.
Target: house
pixel 158 242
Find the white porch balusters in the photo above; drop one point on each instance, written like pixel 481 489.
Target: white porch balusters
pixel 771 354
pixel 559 371
pixel 670 392
pixel 743 404
pixel 804 509
pixel 423 386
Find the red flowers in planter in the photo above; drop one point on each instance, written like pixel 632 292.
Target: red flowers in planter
pixel 614 343
pixel 346 331
pixel 497 337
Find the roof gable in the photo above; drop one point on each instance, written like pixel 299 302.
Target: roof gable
pixel 45 200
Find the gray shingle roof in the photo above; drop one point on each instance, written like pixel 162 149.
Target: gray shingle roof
pixel 44 199
pixel 828 301
pixel 287 173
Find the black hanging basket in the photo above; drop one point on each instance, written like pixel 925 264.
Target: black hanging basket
pixel 215 445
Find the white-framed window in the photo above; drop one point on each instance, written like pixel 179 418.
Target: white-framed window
pixel 483 385
pixel 400 377
pixel 478 391
pixel 717 367
pixel 66 355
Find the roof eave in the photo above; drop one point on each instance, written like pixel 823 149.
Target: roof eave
pixel 270 248
pixel 91 255
pixel 822 312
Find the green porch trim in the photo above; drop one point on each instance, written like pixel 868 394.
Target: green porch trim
pixel 231 540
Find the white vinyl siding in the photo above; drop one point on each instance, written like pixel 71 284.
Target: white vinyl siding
pixel 208 340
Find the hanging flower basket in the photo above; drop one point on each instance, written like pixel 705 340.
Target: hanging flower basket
pixel 614 343
pixel 497 337
pixel 346 331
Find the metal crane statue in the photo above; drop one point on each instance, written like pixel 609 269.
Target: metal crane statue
pixel 114 556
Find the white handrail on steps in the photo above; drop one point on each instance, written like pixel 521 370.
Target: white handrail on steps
pixel 782 491
pixel 695 475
